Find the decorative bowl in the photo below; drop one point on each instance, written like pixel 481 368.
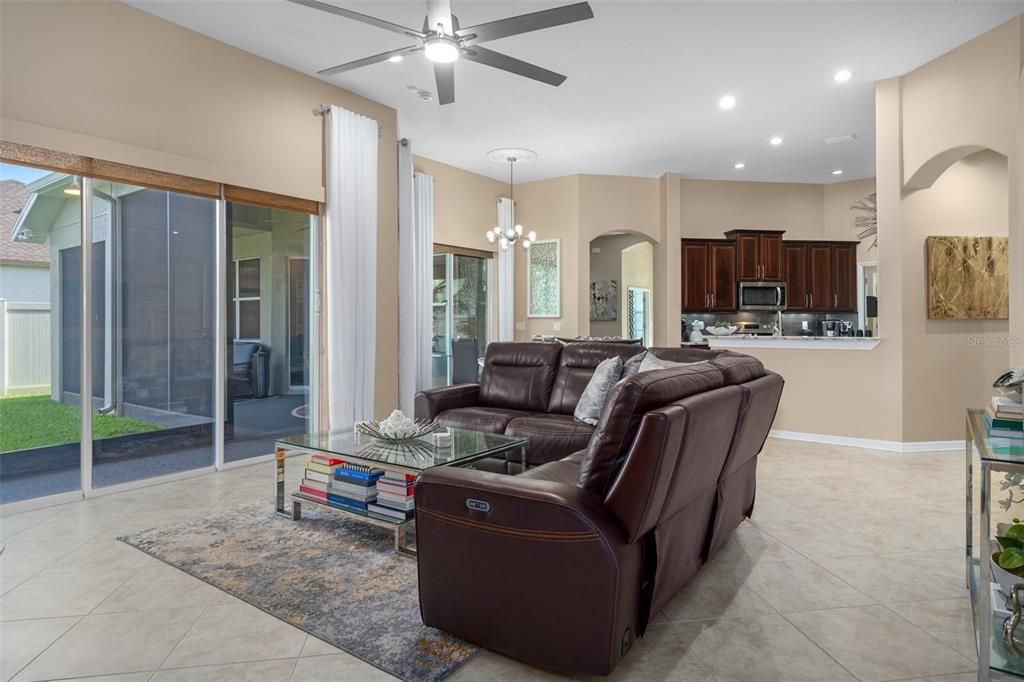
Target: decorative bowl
pixel 721 331
pixel 398 428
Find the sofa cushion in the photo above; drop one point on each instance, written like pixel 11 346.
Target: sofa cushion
pixel 551 436
pixel 489 419
pixel 576 366
pixel 630 400
pixel 738 368
pixel 560 471
pixel 607 374
pixel 519 376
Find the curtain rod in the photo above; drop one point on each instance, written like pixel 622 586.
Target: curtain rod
pixel 321 109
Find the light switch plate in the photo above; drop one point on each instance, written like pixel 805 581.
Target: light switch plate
pixel 557 326
pixel 521 325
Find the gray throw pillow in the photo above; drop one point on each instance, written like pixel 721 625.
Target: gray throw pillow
pixel 606 374
pixel 632 366
pixel 652 361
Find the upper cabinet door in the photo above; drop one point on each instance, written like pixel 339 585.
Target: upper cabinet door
pixel 747 263
pixel 695 277
pixel 794 258
pixel 819 277
pixel 722 276
pixel 844 277
pixel 769 256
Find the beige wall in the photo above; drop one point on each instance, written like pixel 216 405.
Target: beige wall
pixel 637 271
pixel 160 96
pixel 710 207
pixel 949 365
pixel 465 204
pixel 839 225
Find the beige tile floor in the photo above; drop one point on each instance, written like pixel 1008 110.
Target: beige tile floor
pixel 850 570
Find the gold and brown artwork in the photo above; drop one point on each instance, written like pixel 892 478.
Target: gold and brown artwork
pixel 968 278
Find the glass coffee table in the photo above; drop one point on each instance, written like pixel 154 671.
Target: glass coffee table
pixel 409 458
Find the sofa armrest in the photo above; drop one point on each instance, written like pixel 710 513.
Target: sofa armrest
pixel 537 570
pixel 434 401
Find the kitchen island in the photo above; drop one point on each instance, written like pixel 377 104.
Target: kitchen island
pixel 748 341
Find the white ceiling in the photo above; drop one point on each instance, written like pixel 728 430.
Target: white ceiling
pixel 644 79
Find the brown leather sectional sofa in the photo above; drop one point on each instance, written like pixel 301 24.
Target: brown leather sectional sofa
pixel 563 565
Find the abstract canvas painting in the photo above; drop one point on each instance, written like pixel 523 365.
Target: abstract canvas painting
pixel 968 278
pixel 604 299
pixel 543 279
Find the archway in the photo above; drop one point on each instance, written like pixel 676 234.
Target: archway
pixel 620 289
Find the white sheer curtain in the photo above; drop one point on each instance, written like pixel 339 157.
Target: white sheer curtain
pixel 415 278
pixel 350 154
pixel 506 276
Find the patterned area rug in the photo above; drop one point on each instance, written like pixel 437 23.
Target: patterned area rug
pixel 338 579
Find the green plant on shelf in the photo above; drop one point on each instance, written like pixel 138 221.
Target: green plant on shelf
pixel 1011 543
pixel 1012 483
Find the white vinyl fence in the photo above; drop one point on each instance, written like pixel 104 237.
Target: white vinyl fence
pixel 24 348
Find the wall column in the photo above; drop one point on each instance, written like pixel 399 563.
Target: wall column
pixel 1016 226
pixel 667 288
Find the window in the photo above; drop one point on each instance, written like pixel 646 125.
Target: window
pixel 247 299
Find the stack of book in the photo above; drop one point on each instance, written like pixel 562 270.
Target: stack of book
pixel 353 487
pixel 318 476
pixel 394 497
pixel 1004 420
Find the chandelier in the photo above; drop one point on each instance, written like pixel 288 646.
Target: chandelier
pixel 515 234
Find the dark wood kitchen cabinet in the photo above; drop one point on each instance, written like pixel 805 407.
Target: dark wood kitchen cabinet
pixel 821 277
pixel 708 275
pixel 844 277
pixel 758 254
pixel 794 260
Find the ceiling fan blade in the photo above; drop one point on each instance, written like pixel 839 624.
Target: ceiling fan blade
pixel 482 55
pixel 440 12
pixel 366 61
pixel 445 76
pixel 525 23
pixel 365 18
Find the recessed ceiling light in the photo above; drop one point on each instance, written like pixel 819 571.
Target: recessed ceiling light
pixel 727 102
pixel 842 76
pixel 395 58
pixel 775 141
pixel 837 171
pixel 739 166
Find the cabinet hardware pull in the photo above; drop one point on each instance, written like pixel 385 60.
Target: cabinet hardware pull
pixel 835 300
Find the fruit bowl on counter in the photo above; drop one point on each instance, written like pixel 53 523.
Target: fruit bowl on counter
pixel 721 331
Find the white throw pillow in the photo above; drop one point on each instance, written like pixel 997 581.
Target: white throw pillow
pixel 606 375
pixel 632 366
pixel 652 361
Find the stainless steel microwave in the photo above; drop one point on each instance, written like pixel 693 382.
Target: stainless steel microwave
pixel 762 296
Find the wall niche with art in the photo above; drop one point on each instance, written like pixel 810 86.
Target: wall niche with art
pixel 621 286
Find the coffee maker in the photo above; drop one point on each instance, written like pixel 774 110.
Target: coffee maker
pixel 831 327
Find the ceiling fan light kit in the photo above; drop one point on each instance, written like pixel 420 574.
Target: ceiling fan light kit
pixel 443 41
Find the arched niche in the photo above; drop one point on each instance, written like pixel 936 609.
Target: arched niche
pixel 627 258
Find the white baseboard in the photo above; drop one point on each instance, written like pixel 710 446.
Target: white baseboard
pixel 870 443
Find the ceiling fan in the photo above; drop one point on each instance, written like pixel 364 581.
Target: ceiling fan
pixel 443 41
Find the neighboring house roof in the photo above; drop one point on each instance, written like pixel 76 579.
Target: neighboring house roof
pixel 13 197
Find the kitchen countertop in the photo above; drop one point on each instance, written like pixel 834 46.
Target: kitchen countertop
pixel 815 342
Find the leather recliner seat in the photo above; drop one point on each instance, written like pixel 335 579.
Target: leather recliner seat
pixel 589 546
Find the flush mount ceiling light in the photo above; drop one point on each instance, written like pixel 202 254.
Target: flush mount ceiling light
pixel 775 141
pixel 443 41
pixel 842 75
pixel 75 190
pixel 727 102
pixel 394 59
pixel 837 171
pixel 739 166
pixel 516 233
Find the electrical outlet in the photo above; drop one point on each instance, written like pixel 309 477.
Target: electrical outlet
pixel 557 326
pixel 521 326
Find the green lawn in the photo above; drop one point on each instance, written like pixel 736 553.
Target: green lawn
pixel 34 421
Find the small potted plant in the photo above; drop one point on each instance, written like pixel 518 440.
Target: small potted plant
pixel 1008 562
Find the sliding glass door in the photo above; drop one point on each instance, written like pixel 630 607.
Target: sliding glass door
pixel 154 331
pixel 128 331
pixel 460 307
pixel 268 317
pixel 40 334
